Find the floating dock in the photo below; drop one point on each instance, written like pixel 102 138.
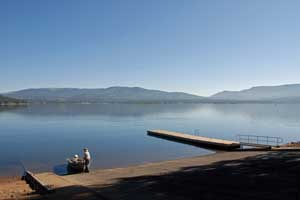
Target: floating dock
pixel 211 143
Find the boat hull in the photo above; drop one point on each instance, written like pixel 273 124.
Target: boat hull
pixel 75 167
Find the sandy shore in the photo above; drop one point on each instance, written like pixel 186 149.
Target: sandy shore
pixel 226 175
pixel 15 188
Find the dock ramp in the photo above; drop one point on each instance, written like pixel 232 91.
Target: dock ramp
pixel 210 143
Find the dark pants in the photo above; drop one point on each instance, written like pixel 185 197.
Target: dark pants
pixel 86 165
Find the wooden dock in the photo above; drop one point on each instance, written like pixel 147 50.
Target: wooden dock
pixel 36 184
pixel 211 143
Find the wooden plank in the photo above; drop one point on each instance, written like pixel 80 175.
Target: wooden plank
pixel 212 143
pixel 36 184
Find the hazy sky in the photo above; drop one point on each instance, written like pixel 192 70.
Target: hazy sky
pixel 194 46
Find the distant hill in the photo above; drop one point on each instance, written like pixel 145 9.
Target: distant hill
pixel 261 94
pixel 282 93
pixel 9 101
pixel 111 94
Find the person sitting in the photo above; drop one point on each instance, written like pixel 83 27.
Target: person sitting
pixel 75 159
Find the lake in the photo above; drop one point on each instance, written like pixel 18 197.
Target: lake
pixel 41 137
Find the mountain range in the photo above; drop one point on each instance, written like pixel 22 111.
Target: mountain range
pixel 111 94
pixel 278 94
pixel 281 93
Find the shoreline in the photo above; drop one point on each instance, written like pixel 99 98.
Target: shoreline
pixel 116 167
pixel 19 173
pixel 14 188
pixel 216 176
pixel 23 191
pixel 139 181
pixel 94 184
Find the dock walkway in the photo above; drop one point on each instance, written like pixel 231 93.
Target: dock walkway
pixel 212 143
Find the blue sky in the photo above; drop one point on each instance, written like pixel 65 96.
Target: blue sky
pixel 195 46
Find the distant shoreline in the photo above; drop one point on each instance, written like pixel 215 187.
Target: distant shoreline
pixel 142 102
pixel 12 104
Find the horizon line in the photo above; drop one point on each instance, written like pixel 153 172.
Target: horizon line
pixel 35 88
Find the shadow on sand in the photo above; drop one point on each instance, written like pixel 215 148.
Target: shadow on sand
pixel 274 175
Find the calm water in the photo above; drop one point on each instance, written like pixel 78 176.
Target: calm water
pixel 43 136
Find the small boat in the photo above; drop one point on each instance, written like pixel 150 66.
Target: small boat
pixel 75 166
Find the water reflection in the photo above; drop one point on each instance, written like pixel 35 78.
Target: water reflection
pixel 278 112
pixel 42 136
pixel 60 169
pixel 98 109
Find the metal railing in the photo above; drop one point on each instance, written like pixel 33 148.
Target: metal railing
pixel 197 132
pixel 260 140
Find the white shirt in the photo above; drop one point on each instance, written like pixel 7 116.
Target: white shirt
pixel 87 155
